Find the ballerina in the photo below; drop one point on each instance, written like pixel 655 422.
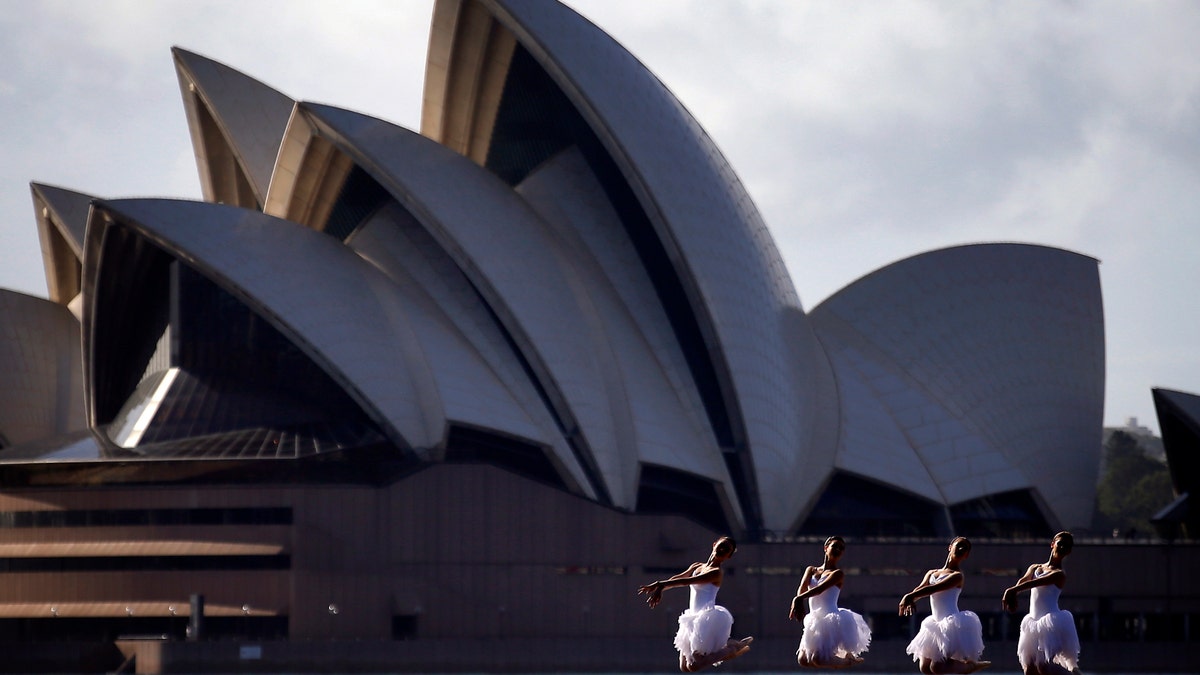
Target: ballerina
pixel 950 640
pixel 1049 643
pixel 704 627
pixel 833 637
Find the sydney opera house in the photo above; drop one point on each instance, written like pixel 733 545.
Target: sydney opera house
pixel 474 380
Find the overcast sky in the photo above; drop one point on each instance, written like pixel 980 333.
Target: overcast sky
pixel 866 132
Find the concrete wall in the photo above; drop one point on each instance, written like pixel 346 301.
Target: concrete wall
pixel 473 552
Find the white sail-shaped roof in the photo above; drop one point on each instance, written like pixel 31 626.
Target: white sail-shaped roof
pixel 989 360
pixel 236 123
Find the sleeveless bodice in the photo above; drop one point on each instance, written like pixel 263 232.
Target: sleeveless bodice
pixel 703 595
pixel 1043 600
pixel 825 602
pixel 943 603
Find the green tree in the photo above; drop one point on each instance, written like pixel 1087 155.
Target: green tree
pixel 1133 489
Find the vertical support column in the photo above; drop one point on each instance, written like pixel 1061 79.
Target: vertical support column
pixel 196 617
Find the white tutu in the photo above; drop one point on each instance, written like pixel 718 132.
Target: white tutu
pixel 1050 637
pixel 838 633
pixel 957 636
pixel 830 631
pixel 703 631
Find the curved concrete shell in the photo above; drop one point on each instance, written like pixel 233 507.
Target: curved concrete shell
pixel 771 380
pixel 971 371
pixel 42 394
pixel 569 198
pixel 62 218
pixel 236 123
pixel 560 311
pixel 351 320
